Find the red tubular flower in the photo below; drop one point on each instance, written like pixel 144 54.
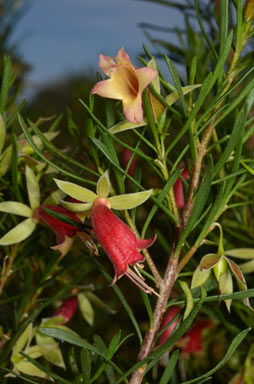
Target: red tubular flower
pixel 178 189
pixel 67 309
pixel 192 341
pixel 170 314
pixel 126 155
pixel 64 232
pixel 119 243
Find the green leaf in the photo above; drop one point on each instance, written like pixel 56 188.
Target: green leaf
pixel 189 298
pixel 73 339
pixel 233 347
pixel 76 191
pixel 200 277
pixel 23 339
pixel 168 372
pixel 16 208
pixel 126 125
pixel 2 133
pixel 29 369
pixel 174 96
pixel 6 79
pixel 19 233
pixel 156 81
pixel 241 253
pixel 54 355
pixel 237 133
pixel 85 359
pixel 5 160
pixel 130 200
pixel 103 185
pixel 86 308
pixel 33 188
pixel 200 202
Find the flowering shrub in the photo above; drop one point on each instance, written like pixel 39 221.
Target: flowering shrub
pixel 158 190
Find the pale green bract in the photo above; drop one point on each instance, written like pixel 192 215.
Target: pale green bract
pixel 125 201
pixel 19 233
pixel 76 191
pixel 130 200
pixel 86 308
pixel 103 185
pixel 16 208
pixel 33 188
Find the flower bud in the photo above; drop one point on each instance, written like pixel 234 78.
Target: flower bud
pixel 249 10
pixel 170 314
pixel 67 309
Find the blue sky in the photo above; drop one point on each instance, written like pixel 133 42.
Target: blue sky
pixel 62 36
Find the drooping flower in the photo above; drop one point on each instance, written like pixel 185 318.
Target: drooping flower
pixel 192 342
pixel 169 316
pixel 119 242
pixel 64 232
pixel 126 83
pixel 67 309
pixel 178 189
pixel 126 156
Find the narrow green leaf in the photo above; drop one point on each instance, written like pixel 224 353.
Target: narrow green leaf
pixel 14 167
pixel 171 181
pixel 177 82
pixel 44 158
pixel 223 23
pixel 217 206
pixel 2 133
pixel 200 202
pixel 6 79
pixel 174 96
pixel 205 89
pixel 126 125
pixel 85 359
pixel 70 337
pixel 168 372
pixel 237 133
pixel 233 346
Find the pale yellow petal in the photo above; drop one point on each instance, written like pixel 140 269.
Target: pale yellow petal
pixel 145 77
pixel 133 111
pixel 106 88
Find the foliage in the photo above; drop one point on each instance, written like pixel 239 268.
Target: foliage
pixel 63 317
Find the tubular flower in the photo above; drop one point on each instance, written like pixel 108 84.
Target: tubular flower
pixel 192 341
pixel 67 309
pixel 178 189
pixel 126 83
pixel 64 232
pixel 169 316
pixel 126 156
pixel 119 243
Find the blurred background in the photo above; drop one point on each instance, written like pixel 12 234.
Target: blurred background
pixel 61 39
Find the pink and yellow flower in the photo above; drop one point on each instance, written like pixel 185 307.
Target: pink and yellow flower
pixel 126 83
